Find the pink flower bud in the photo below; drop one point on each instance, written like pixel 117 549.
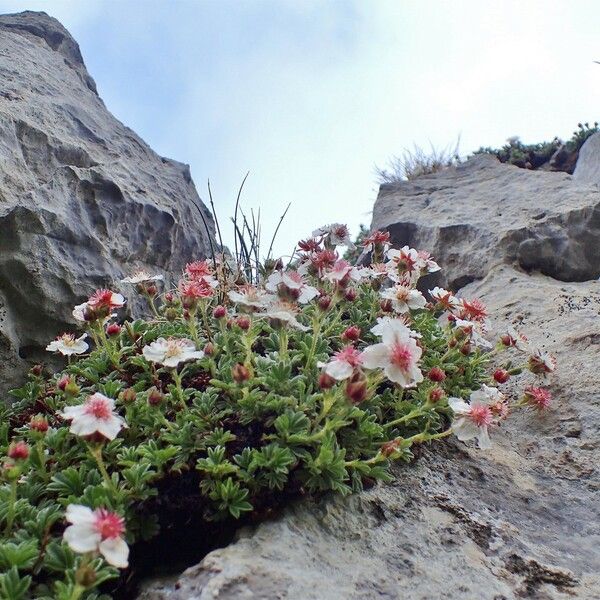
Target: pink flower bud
pixel 36 370
pixel 351 334
pixel 436 394
pixel 39 423
pixel 209 349
pixel 219 312
pixel 18 451
pixel 350 294
pixel 243 323
pixel 128 395
pixel 326 381
pixel 155 397
pixel 436 374
pixel 169 297
pixel 356 388
pixel 63 382
pixel 113 329
pixel 324 302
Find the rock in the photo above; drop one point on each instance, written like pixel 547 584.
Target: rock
pixel 83 199
pixel 519 521
pixel 483 213
pixel 587 169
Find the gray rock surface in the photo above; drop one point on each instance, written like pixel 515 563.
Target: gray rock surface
pixel 83 199
pixel 587 169
pixel 484 213
pixel 519 521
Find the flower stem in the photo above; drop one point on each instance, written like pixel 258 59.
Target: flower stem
pixel 10 514
pixel 96 452
pixel 413 414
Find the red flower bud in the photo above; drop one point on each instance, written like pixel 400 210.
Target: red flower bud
pixel 36 370
pixel 326 381
pixel 63 382
pixel 350 294
pixel 351 334
pixel 169 297
pixel 324 302
pixel 388 448
pixel 243 323
pixel 39 423
pixel 436 374
pixel 436 394
pixel 219 312
pixel 209 349
pixel 356 388
pixel 18 451
pixel 113 329
pixel 240 373
pixel 466 349
pixel 386 305
pixel 501 375
pixel 155 397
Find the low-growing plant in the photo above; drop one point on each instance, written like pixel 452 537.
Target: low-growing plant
pixel 238 397
pixel 418 162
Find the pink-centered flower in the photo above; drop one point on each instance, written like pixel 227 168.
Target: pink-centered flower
pixel 335 234
pixel 141 276
pixel 95 416
pixel 426 262
pixel 290 284
pixel 342 271
pixel 67 344
pixel 538 397
pixel 398 323
pixel 404 298
pixel 283 313
pixel 251 297
pixel 105 300
pixel 447 300
pixel 377 239
pixel 541 362
pixel 473 310
pixel 343 363
pixel 473 419
pixel 171 351
pixel 397 354
pixel 97 531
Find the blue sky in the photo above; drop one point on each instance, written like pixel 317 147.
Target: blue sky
pixel 309 96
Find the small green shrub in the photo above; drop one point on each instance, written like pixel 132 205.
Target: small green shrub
pixel 231 399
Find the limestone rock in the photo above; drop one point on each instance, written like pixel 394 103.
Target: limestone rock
pixel 588 163
pixel 484 213
pixel 83 199
pixel 519 521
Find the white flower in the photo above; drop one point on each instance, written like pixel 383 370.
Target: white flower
pixel 398 355
pixel 284 312
pixel 386 323
pixel 336 234
pixel 67 344
pixel 475 332
pixel 473 419
pixel 426 263
pixel 404 298
pixel 141 277
pixel 172 351
pixel 95 415
pixel 343 270
pixel 293 281
pixel 343 363
pixel 97 531
pixel 251 297
pixel 444 298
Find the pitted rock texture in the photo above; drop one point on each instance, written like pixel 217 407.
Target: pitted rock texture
pixel 483 213
pixel 519 521
pixel 83 199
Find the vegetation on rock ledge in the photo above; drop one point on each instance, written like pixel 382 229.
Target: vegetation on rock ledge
pixel 232 398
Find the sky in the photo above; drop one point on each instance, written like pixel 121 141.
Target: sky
pixel 309 96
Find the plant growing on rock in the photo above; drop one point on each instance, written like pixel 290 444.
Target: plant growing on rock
pixel 232 398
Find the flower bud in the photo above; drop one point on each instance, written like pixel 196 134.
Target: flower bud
pixel 209 349
pixel 171 314
pixel 155 397
pixel 386 305
pixel 243 322
pixel 38 423
pixel 326 381
pixel 356 388
pixel 85 576
pixel 351 334
pixel 324 302
pixel 391 447
pixel 169 297
pixel 350 294
pixel 72 389
pixel 466 349
pixel 36 370
pixel 113 329
pixel 128 395
pixel 436 374
pixel 436 394
pixel 219 312
pixel 240 373
pixel 18 450
pixel 501 375
pixel 63 382
pixel 151 290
